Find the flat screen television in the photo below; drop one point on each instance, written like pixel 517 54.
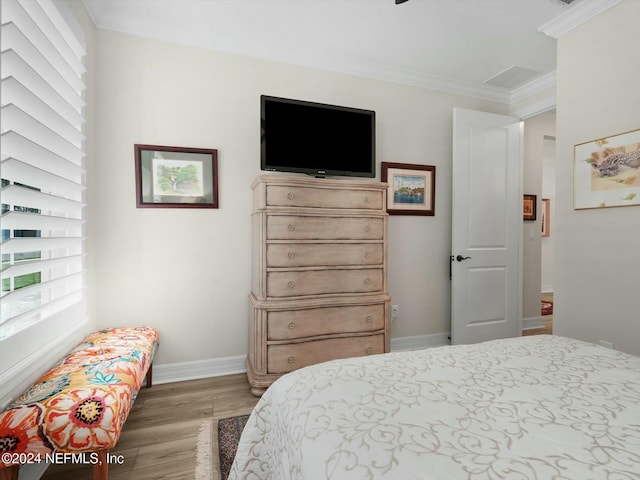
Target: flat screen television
pixel 316 139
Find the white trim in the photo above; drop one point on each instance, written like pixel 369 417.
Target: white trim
pixel 541 106
pixel 420 342
pixel 378 72
pixel 211 367
pixel 535 86
pixel 215 367
pixel 415 79
pixel 532 323
pixel 546 289
pixel 576 16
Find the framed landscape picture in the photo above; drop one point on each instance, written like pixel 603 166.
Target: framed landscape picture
pixel 176 177
pixel 607 172
pixel 411 189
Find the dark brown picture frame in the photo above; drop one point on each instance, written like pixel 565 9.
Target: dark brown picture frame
pixel 411 190
pixel 176 177
pixel 529 207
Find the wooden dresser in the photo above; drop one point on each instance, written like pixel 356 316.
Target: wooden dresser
pixel 319 280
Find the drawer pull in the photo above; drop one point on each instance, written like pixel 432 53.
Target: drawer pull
pixel 291 255
pixel 367 254
pixel 291 359
pixel 368 351
pixel 291 227
pixel 291 326
pixel 366 199
pixel 367 228
pixel 367 281
pixel 290 196
pixel 291 284
pixel 369 319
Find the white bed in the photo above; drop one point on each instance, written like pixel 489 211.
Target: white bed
pixel 537 407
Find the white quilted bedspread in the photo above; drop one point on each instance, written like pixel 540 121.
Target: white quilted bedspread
pixel 538 407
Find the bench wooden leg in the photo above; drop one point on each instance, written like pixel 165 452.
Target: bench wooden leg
pixel 149 374
pixel 101 469
pixel 10 473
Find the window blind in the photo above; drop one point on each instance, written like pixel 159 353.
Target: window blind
pixel 43 179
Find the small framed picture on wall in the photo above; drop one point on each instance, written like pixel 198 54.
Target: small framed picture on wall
pixel 529 207
pixel 176 177
pixel 411 190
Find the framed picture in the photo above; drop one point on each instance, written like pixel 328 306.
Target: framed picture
pixel 607 172
pixel 176 177
pixel 529 207
pixel 545 218
pixel 411 190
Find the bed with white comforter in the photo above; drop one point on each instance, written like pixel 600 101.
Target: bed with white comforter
pixel 537 407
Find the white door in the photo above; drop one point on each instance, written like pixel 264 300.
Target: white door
pixel 486 282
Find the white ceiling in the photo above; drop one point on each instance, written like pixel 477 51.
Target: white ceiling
pixel 451 45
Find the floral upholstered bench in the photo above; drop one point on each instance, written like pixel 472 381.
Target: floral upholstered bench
pixel 80 405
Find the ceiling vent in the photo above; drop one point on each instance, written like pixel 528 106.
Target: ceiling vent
pixel 512 77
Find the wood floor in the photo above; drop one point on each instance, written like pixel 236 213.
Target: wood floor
pixel 160 436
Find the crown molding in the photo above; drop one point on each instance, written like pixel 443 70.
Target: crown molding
pixel 576 16
pixel 545 105
pixel 431 82
pixel 361 69
pixel 538 85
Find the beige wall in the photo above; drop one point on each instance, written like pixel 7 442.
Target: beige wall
pixel 597 254
pixel 535 129
pixel 188 271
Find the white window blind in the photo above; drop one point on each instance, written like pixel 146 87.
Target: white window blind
pixel 42 222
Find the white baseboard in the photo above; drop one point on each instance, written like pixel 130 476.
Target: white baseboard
pixel 420 342
pixel 532 322
pixel 215 367
pixel 211 367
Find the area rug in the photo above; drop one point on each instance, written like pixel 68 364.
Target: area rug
pixel 205 451
pixel 547 307
pixel 229 431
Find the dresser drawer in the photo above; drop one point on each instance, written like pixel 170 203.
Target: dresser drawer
pixel 292 227
pixel 300 196
pixel 288 357
pixel 324 254
pixel 320 282
pixel 290 324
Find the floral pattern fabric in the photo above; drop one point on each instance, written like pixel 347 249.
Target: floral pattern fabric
pixel 530 408
pixel 81 404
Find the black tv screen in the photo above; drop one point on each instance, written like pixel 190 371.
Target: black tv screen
pixel 316 139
